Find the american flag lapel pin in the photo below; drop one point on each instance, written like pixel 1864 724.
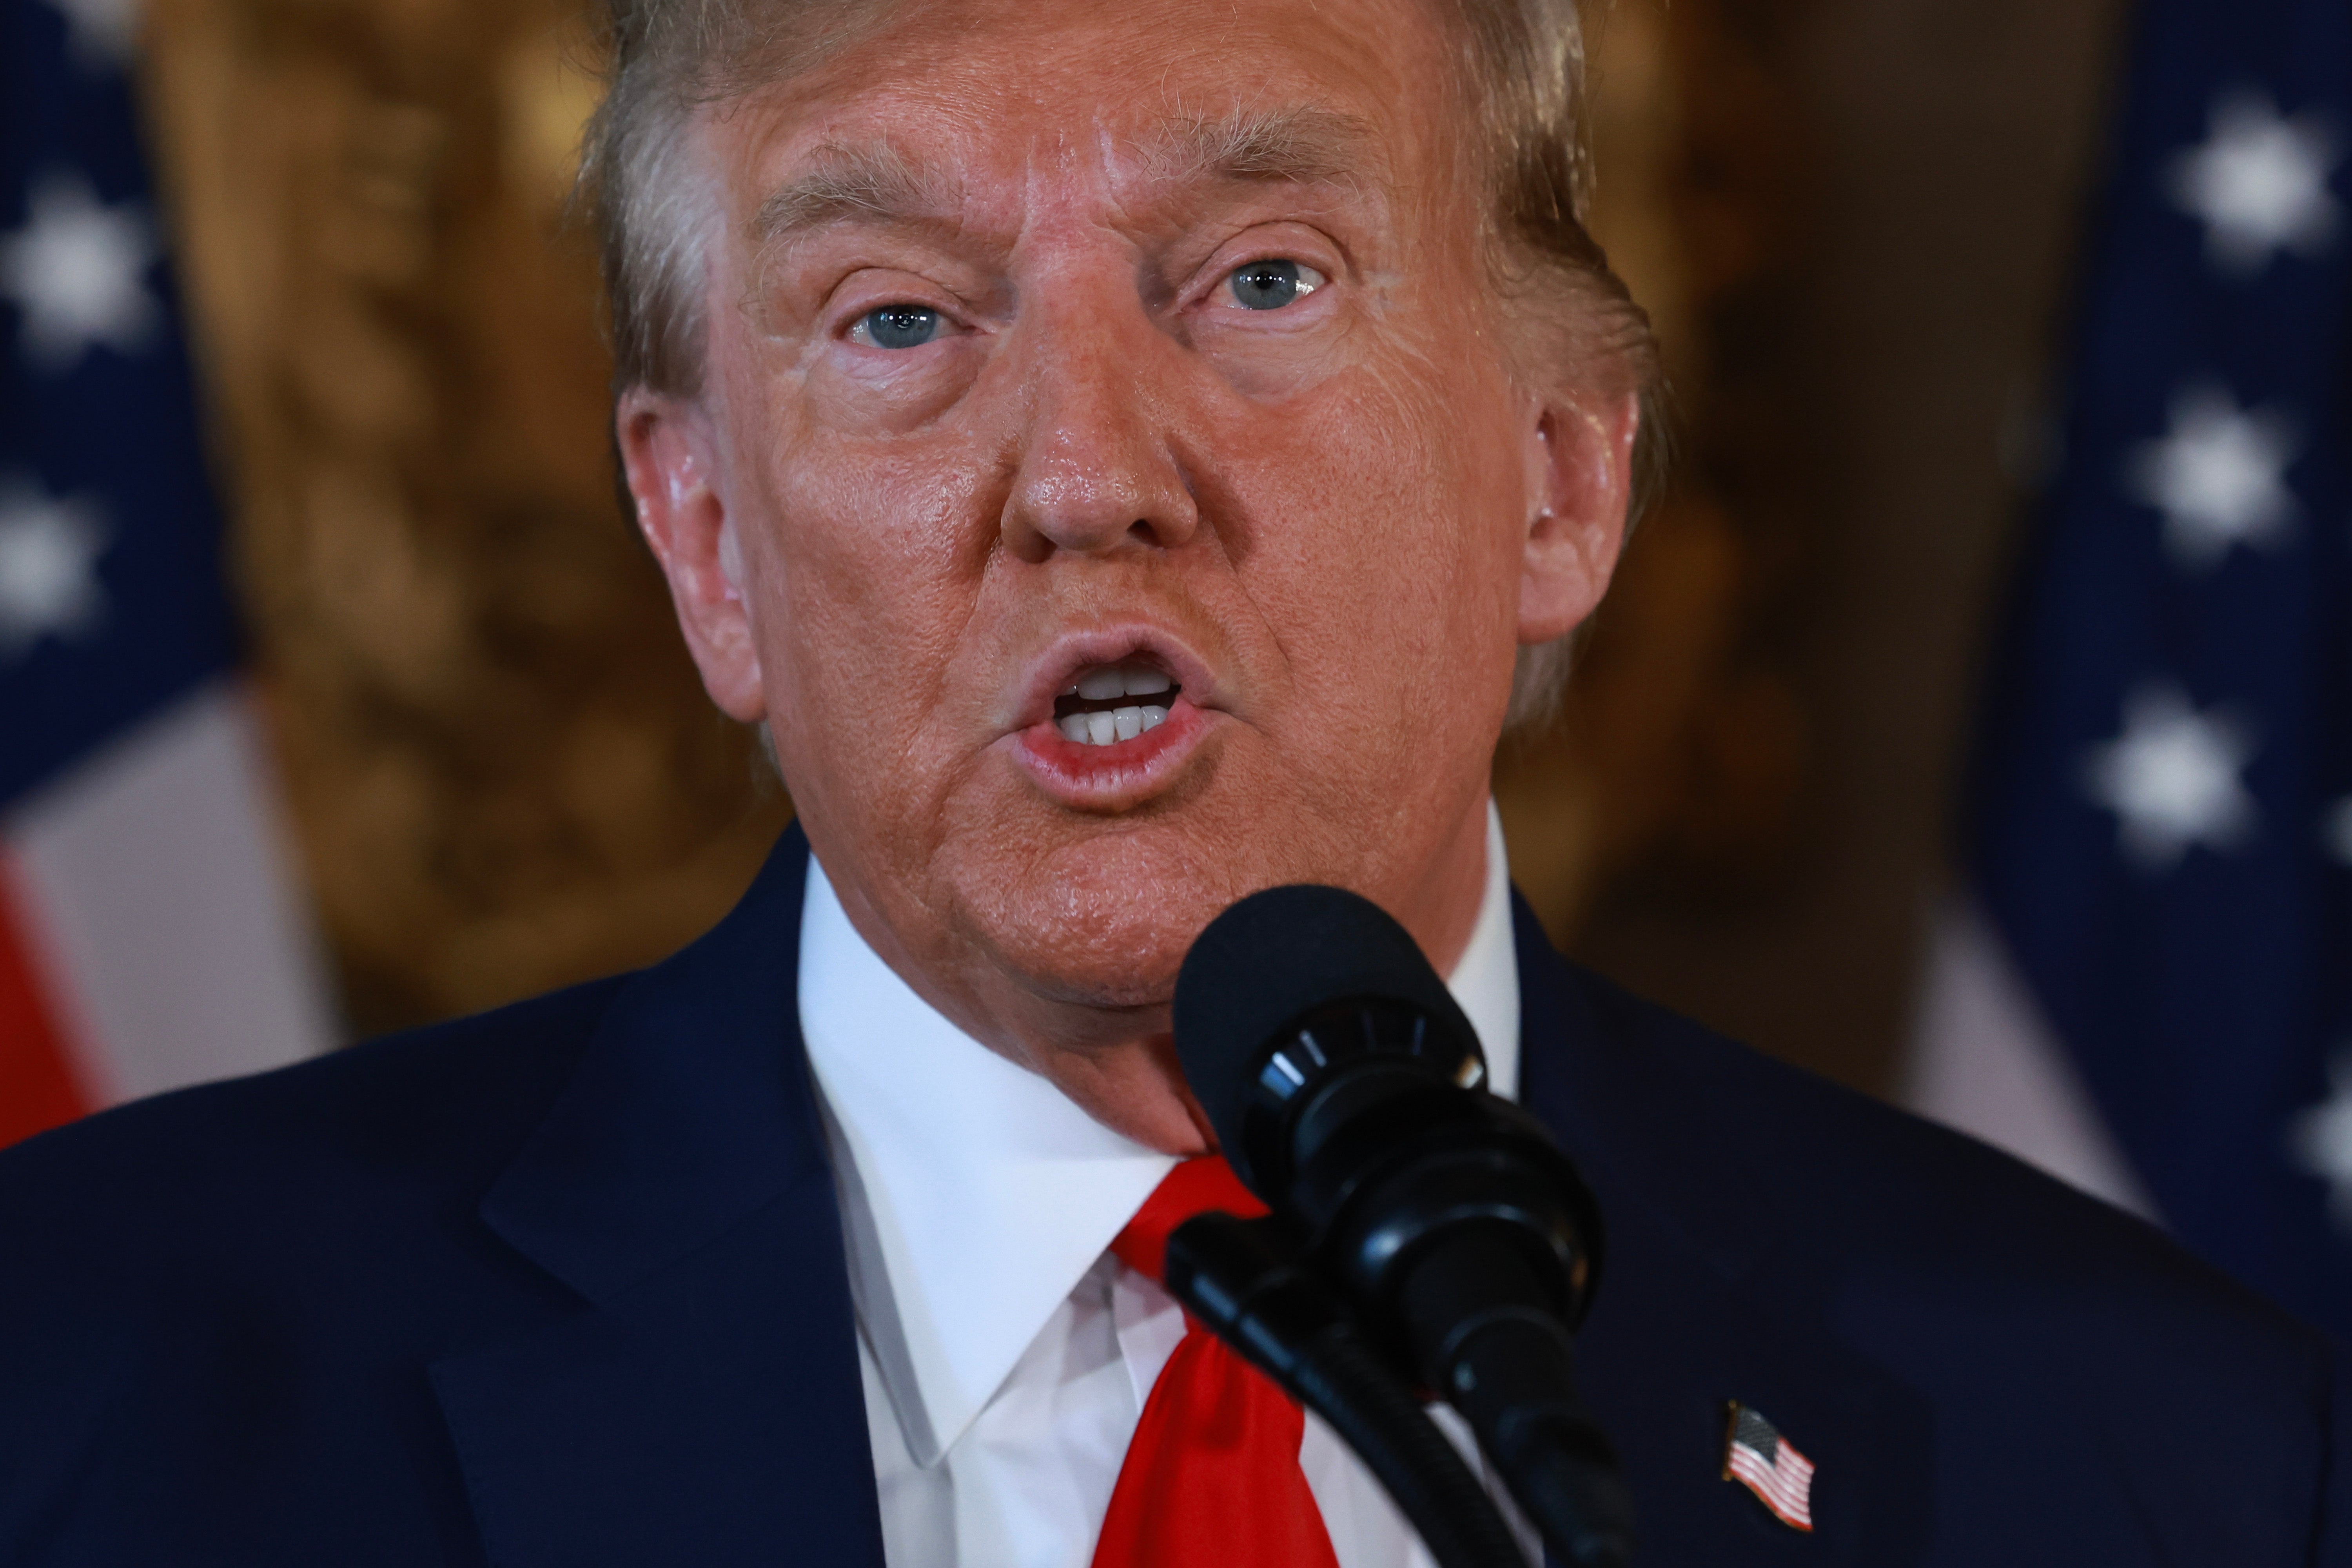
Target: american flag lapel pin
pixel 1759 1457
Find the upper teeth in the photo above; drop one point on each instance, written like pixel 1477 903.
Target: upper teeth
pixel 1119 680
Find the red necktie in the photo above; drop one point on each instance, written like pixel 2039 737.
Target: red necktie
pixel 1212 1479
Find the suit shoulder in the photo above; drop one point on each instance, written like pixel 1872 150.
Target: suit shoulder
pixel 438 1107
pixel 1871 1192
pixel 1821 1138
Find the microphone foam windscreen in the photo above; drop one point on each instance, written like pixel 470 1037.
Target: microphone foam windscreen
pixel 1275 956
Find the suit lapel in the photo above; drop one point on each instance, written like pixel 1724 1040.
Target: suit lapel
pixel 703 1403
pixel 1703 1300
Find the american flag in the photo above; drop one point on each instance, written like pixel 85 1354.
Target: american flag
pixel 148 933
pixel 1755 1454
pixel 2161 836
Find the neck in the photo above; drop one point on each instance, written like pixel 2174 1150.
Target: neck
pixel 1119 1064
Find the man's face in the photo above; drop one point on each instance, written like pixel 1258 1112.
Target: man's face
pixel 1129 504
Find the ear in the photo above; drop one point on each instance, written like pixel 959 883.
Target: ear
pixel 1580 465
pixel 666 455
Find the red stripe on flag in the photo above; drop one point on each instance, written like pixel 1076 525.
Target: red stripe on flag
pixel 1785 1491
pixel 38 1089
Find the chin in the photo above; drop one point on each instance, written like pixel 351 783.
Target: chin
pixel 1102 918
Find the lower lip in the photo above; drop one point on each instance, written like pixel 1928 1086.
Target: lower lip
pixel 1119 775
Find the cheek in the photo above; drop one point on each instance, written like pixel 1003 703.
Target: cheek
pixel 871 564
pixel 1388 523
pixel 857 519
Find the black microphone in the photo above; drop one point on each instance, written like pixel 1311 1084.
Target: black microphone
pixel 1345 1086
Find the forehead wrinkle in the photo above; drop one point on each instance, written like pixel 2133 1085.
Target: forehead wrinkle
pixel 877 183
pixel 865 182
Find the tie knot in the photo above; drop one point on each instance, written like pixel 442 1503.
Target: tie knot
pixel 1196 1187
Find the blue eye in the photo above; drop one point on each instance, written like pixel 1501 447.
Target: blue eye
pixel 897 326
pixel 1271 285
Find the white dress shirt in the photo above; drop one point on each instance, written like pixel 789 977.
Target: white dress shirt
pixel 1006 1354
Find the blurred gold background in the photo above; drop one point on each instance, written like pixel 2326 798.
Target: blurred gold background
pixel 503 773
pixel 1849 219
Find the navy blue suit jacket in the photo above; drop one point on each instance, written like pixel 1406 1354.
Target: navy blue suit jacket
pixel 563 1285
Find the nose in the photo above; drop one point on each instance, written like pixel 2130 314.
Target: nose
pixel 1098 469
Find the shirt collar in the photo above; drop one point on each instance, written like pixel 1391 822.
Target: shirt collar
pixel 974 1194
pixel 1485 978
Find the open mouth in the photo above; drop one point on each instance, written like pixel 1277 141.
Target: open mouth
pixel 1115 702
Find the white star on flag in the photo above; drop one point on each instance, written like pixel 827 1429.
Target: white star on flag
pixel 2320 1139
pixel 77 268
pixel 2219 476
pixel 2172 778
pixel 103 32
pixel 48 569
pixel 2258 184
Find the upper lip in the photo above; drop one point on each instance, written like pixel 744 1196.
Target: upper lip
pixel 1071 655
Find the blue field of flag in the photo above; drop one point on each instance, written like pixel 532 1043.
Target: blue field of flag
pixel 2162 809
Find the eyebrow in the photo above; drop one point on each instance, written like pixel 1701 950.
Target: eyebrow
pixel 877 183
pixel 874 183
pixel 1298 144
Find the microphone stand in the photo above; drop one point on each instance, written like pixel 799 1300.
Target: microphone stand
pixel 1239 1277
pixel 1481 1322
